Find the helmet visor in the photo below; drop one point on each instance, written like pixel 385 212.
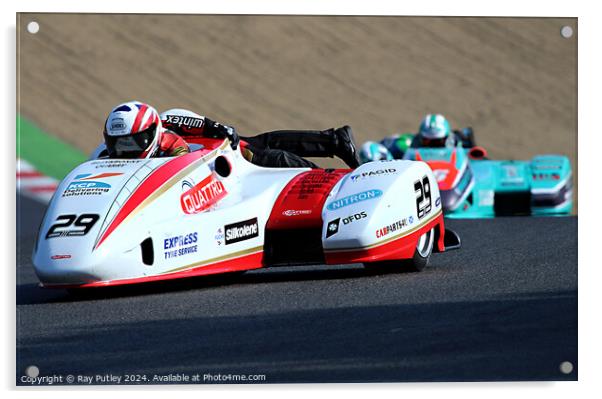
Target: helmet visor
pixel 434 142
pixel 130 146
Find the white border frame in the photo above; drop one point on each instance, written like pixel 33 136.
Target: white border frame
pixel 589 86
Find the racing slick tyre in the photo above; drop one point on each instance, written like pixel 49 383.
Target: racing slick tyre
pixel 417 263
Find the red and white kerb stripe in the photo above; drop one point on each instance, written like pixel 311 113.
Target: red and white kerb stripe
pixel 33 184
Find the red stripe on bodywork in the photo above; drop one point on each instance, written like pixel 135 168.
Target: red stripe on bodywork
pixel 401 248
pixel 247 262
pixel 446 170
pixel 153 182
pixel 300 203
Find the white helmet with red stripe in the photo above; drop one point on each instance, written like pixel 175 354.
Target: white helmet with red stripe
pixel 133 130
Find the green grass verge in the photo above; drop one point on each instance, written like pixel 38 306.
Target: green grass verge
pixel 46 153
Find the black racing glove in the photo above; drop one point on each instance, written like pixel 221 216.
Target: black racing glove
pixel 223 131
pixel 231 134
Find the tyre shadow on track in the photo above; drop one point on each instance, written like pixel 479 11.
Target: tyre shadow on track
pixel 28 294
pixel 502 338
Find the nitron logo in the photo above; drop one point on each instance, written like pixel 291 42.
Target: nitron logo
pixel 353 199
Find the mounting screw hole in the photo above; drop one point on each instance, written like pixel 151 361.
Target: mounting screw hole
pixel 566 367
pixel 32 371
pixel 33 27
pixel 566 31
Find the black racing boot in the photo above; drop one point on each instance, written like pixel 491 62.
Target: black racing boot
pixel 345 148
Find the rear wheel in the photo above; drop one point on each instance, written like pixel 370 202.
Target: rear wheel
pixel 417 263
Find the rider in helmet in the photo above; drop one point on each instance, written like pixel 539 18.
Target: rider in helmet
pixel 282 148
pixel 372 151
pixel 434 131
pixel 134 130
pixel 398 144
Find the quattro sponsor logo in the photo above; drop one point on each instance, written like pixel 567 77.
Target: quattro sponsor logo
pixel 89 184
pixel 201 196
pixel 176 246
pixel 333 227
pixel 353 199
pixel 372 173
pixel 241 231
pixel 294 212
pixel 393 227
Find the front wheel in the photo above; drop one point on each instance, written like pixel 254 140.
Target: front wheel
pixel 417 263
pixel 423 252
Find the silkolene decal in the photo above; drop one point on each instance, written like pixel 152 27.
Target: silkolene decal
pixel 241 231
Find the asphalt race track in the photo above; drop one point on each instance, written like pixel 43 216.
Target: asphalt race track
pixel 504 307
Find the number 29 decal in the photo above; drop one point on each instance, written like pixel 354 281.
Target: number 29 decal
pixel 423 197
pixel 72 225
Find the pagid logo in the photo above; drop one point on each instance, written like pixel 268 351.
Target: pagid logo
pixel 372 173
